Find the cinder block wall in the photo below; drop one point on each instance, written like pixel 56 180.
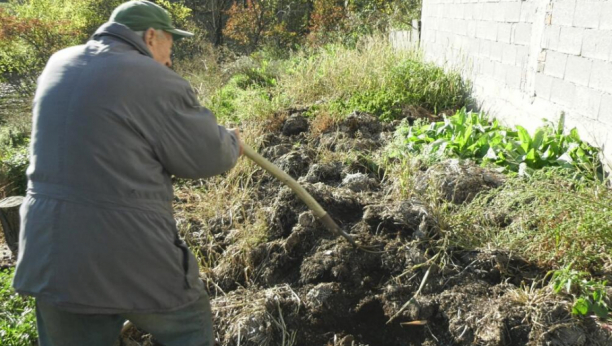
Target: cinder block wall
pixel 530 59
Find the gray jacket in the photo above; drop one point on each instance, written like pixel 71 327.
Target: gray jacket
pixel 110 127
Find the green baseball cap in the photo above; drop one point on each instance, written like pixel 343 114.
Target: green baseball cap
pixel 141 15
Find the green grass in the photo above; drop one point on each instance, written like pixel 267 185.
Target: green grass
pixel 327 81
pixel 553 220
pixel 17 316
pixel 554 212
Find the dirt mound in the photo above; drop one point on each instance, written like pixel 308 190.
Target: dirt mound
pixel 302 286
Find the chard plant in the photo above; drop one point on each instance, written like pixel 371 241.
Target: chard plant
pixel 472 135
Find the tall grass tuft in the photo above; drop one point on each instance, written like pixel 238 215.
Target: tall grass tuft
pixel 374 78
pixel 336 80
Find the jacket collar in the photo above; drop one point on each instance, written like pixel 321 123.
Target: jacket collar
pixel 123 33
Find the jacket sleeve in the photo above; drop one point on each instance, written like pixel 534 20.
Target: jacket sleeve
pixel 191 144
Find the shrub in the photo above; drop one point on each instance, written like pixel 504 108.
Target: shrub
pixel 32 30
pixel 13 164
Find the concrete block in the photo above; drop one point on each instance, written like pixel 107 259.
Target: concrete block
pixel 522 56
pixel 587 101
pixel 522 33
pixel 528 9
pixel 509 54
pixel 459 11
pixel 514 77
pixel 601 76
pixel 485 48
pixel 563 93
pixel 588 14
pixel 487 67
pixel 471 29
pixel 606 13
pixel 504 32
pixel 605 109
pixel 479 13
pixel 578 70
pixel 439 11
pixel 512 11
pixel 500 72
pixel 555 64
pixel 459 27
pixel 543 109
pixel 597 44
pixel 491 30
pixel 481 29
pixel 497 51
pixel 469 11
pixel 473 47
pixel 570 40
pixel 497 12
pixel 551 37
pixel 543 86
pixel 563 12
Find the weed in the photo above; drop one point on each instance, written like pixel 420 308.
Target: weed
pixel 17 317
pixel 589 295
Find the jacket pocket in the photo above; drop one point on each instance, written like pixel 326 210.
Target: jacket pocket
pixel 185 250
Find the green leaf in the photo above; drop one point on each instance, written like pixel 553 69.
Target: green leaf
pixel 524 137
pixel 600 309
pixel 538 138
pixel 597 295
pixel 581 307
pixel 561 124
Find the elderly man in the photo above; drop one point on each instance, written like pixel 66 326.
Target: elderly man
pixel 99 244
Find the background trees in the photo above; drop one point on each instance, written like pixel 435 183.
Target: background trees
pixel 31 30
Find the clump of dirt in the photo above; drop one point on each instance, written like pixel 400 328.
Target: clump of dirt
pixel 458 181
pixel 303 286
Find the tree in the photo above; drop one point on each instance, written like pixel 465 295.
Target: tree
pixel 280 23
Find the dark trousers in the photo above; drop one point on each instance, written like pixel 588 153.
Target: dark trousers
pixel 189 326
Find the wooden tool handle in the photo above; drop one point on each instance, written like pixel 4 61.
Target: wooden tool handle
pixel 319 212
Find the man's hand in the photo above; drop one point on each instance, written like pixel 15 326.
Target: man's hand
pixel 241 148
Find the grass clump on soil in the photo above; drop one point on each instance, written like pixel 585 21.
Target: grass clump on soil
pixel 17 317
pixel 372 78
pixel 337 80
pixel 555 211
pixel 550 218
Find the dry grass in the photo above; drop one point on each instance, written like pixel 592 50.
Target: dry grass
pixel 335 71
pixel 258 317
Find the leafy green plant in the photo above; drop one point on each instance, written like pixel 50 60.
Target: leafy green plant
pixel 589 295
pixel 17 317
pixel 472 135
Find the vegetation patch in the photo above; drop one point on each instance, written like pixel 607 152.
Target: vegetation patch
pixel 469 135
pixel 17 316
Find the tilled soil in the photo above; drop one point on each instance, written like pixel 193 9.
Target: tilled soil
pixel 303 286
